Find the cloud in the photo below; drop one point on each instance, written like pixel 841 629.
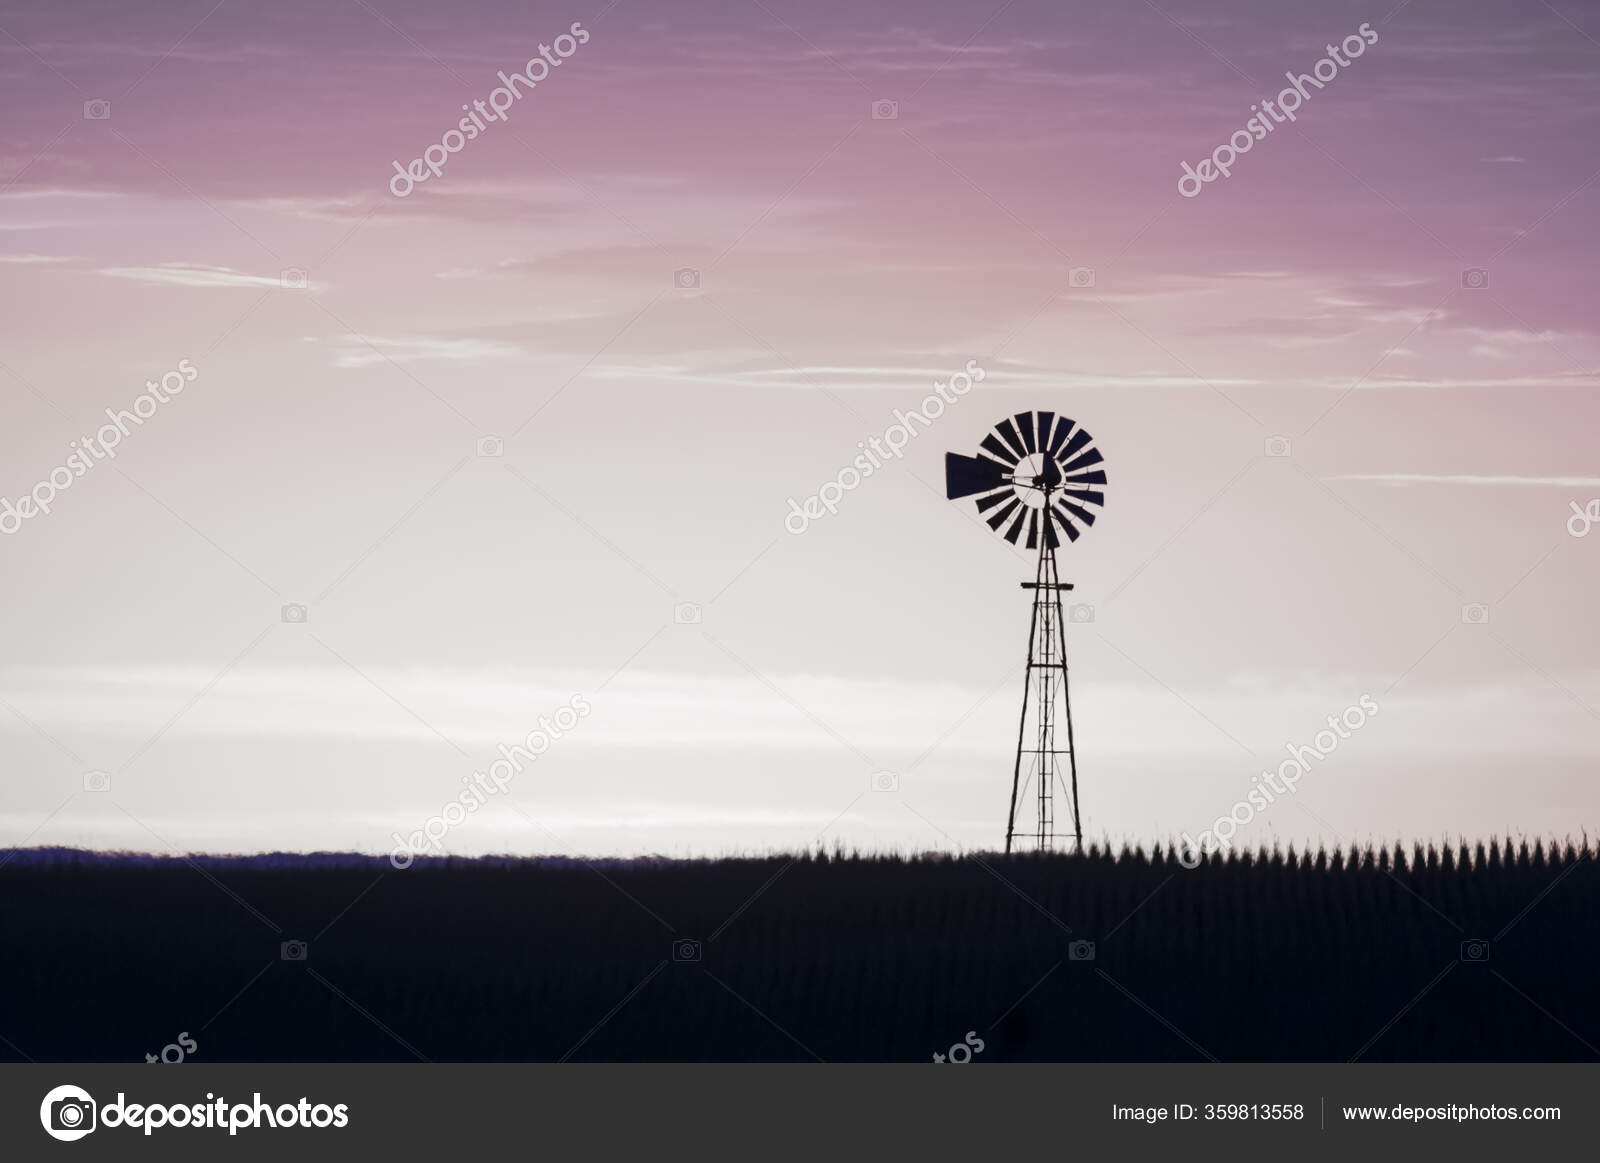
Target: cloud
pixel 33 259
pixel 1379 382
pixel 1510 335
pixel 331 207
pixel 1497 343
pixel 182 274
pixel 481 707
pixel 350 352
pixel 1348 318
pixel 1417 478
pixel 76 48
pixel 759 373
pixel 1311 311
pixel 54 193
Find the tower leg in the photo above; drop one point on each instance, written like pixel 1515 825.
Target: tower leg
pixel 1072 746
pixel 1022 722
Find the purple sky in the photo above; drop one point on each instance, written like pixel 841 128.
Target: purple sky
pixel 1439 428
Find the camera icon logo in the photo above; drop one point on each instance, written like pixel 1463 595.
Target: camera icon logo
pixel 1475 950
pixel 96 781
pixel 491 446
pixel 1081 277
pixel 686 950
pixel 1477 614
pixel 1080 951
pixel 1277 446
pixel 1082 612
pixel 294 279
pixel 293 950
pixel 885 110
pixel 686 614
pixel 294 612
pixel 98 109
pixel 68 1113
pixel 1475 279
pixel 686 279
pixel 884 781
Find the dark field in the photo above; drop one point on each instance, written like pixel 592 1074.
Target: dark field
pixel 838 958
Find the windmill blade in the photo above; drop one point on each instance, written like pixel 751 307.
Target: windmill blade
pixel 1016 528
pixel 966 475
pixel 1088 495
pixel 993 499
pixel 1025 424
pixel 1033 529
pixel 1009 433
pixel 1088 458
pixel 1050 537
pixel 992 443
pixel 1047 421
pixel 1086 478
pixel 1077 511
pixel 999 518
pixel 1063 430
pixel 1079 439
pixel 1067 526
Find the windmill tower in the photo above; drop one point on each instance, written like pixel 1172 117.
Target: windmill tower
pixel 1036 477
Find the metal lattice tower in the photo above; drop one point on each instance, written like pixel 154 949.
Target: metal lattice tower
pixel 1037 476
pixel 1045 768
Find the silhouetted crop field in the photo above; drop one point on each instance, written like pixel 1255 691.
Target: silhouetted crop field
pixel 1455 954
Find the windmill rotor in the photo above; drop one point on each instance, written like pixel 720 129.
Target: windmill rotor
pixel 1037 475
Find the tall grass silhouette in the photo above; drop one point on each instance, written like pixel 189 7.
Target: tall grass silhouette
pixel 1480 952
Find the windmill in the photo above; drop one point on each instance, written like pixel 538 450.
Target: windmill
pixel 1038 476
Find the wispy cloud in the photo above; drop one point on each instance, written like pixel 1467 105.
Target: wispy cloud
pixel 182 274
pixel 1379 382
pixel 1497 343
pixel 53 193
pixel 923 375
pixel 480 707
pixel 353 353
pixel 332 207
pixel 1418 478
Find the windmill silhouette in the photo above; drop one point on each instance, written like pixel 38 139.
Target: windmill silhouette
pixel 1038 476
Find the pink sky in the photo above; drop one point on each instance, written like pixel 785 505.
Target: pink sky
pixel 326 453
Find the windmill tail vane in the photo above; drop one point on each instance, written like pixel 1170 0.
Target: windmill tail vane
pixel 1038 476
